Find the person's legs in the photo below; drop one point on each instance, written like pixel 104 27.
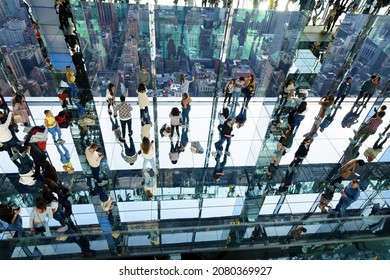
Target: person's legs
pixel 129 128
pixel 95 174
pixel 228 141
pixel 59 216
pixel 123 126
pixel 338 180
pixel 58 131
pixel 17 226
pixel 341 100
pixel 52 131
pixel 361 94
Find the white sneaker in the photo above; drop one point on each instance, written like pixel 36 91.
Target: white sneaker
pixel 227 153
pixel 380 135
pixel 63 229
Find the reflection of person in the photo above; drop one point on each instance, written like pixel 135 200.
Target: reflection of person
pixel 352 116
pixel 10 219
pixel 296 234
pixel 71 80
pixel 228 91
pixel 65 159
pixel 327 120
pixel 174 152
pixel 94 158
pixel 219 166
pixel 184 139
pixel 150 184
pixel 347 170
pixel 185 84
pixel 128 153
pixel 226 135
pixel 105 200
pixel 241 117
pixel 368 128
pixel 349 195
pixel 368 89
pixel 144 77
pixel 287 92
pixel 342 92
pixel 301 153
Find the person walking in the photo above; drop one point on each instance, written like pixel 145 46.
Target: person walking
pixel 342 92
pixel 345 171
pixel 124 110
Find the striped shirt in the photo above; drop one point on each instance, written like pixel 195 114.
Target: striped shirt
pixel 373 124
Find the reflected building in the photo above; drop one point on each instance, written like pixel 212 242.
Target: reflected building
pixel 246 211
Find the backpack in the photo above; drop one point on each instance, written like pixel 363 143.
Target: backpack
pixel 63 119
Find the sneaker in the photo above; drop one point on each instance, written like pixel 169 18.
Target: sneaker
pixel 388 135
pixel 227 153
pixel 380 135
pixel 63 229
pixel 61 141
pixel 214 154
pixel 354 131
pixel 75 100
pixel 122 139
pixel 352 141
pixel 237 104
pixel 339 107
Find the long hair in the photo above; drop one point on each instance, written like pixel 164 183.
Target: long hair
pixel 141 87
pixel 182 78
pixel 145 145
pixel 111 87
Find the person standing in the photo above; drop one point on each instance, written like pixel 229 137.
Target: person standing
pixel 239 85
pixel 347 170
pixel 124 110
pixel 349 195
pixel 175 115
pixel 7 138
pixel 144 77
pixel 185 84
pixel 228 91
pixel 110 97
pixel 226 135
pixel 147 152
pixel 301 153
pixel 143 103
pixel 21 112
pixel 186 108
pixel 71 80
pixel 367 128
pixel 53 128
pixel 94 158
pixel 342 92
pixel 368 89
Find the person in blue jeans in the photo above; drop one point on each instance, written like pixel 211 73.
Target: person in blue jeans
pixel 186 108
pixel 52 127
pixel 226 135
pixel 11 220
pixel 349 195
pixel 240 84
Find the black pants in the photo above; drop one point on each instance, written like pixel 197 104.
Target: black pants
pixel 123 125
